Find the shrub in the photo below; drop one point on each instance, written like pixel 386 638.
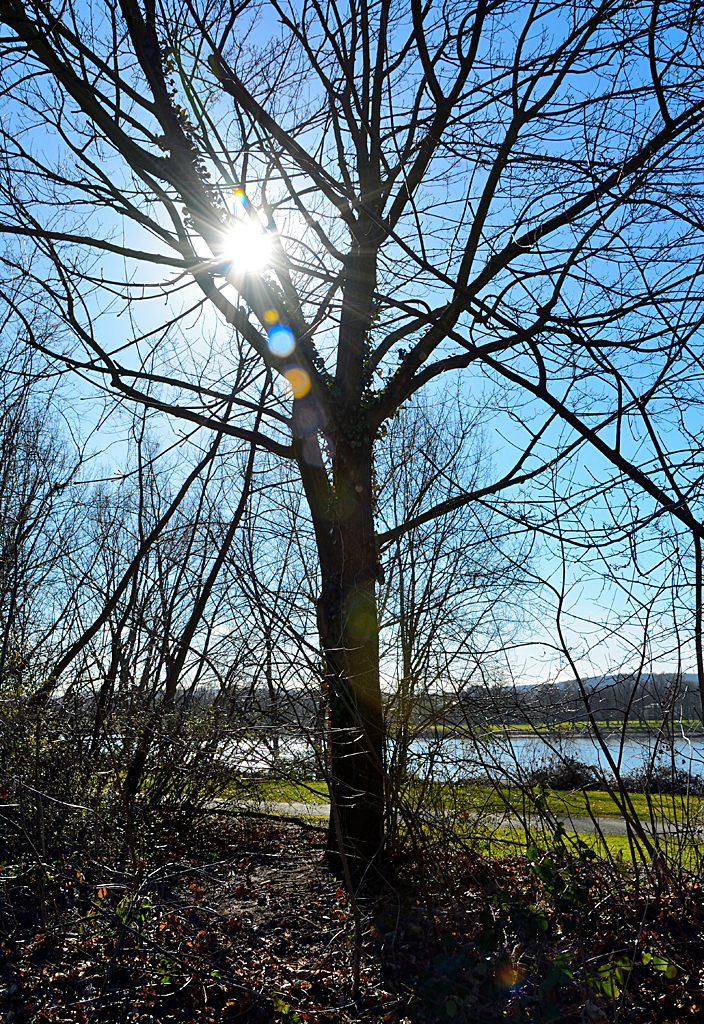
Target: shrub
pixel 664 779
pixel 564 772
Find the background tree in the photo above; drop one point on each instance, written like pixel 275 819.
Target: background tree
pixel 39 520
pixel 455 587
pixel 507 190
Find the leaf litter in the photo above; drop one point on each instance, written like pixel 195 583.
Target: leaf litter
pixel 245 923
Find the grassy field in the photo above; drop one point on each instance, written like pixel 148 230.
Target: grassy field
pixel 598 802
pixel 505 842
pixel 472 803
pixel 508 842
pixel 274 791
pixel 488 799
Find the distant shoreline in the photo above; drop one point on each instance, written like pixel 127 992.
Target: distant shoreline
pixel 544 731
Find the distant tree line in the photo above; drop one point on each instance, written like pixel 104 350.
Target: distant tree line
pixel 644 699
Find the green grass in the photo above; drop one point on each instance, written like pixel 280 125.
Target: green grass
pixel 598 801
pixel 485 799
pixel 503 842
pixel 275 791
pixel 507 842
pixel 476 800
pixel 601 804
pixel 488 799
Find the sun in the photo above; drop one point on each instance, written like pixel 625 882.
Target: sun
pixel 246 247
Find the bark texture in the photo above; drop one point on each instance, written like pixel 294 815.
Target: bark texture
pixel 350 639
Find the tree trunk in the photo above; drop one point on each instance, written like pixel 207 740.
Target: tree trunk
pixel 347 620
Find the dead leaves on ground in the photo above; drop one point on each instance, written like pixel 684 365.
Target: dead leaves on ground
pixel 256 930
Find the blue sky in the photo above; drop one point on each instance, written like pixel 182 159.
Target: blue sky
pixel 605 619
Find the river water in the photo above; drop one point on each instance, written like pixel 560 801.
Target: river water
pixel 453 758
pixel 456 757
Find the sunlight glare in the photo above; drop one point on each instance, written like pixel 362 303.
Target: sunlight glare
pixel 247 247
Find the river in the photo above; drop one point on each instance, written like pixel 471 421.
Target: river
pixel 450 757
pixel 457 757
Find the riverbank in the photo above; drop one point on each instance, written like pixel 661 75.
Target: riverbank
pixel 650 730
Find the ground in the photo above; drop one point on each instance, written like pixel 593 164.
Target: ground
pixel 239 920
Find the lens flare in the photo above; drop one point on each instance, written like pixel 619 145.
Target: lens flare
pixel 311 453
pixel 307 421
pixel 298 381
pixel 246 247
pixel 509 976
pixel 361 617
pixel 281 340
pixel 240 198
pixel 271 317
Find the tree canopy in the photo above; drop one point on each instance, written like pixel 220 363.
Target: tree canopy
pixel 283 221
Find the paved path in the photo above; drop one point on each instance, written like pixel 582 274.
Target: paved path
pixel 577 823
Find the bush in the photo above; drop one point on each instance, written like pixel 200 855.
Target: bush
pixel 570 773
pixel 564 773
pixel 664 779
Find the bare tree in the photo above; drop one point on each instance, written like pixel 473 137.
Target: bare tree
pixel 132 734
pixel 454 585
pixel 38 521
pixel 506 192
